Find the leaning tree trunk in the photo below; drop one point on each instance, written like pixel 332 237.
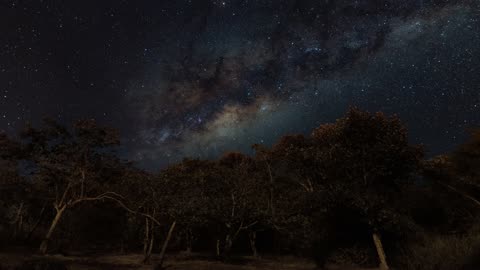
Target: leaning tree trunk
pixel 35 226
pixel 165 245
pixel 381 252
pixel 44 244
pixel 253 243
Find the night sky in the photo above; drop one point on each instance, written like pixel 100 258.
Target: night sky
pixel 197 78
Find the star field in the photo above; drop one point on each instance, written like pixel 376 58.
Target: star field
pixel 197 78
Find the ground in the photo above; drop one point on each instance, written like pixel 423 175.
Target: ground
pixel 14 261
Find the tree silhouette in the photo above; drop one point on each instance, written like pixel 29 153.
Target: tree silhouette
pixel 366 160
pixel 466 160
pixel 237 201
pixel 70 165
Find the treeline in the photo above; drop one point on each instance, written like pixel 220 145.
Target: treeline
pixel 354 191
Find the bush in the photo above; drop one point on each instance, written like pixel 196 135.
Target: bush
pixel 442 252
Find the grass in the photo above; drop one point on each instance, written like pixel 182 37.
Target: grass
pixel 14 261
pixel 132 261
pixel 445 252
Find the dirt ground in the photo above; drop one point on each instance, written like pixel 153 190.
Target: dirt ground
pixel 18 261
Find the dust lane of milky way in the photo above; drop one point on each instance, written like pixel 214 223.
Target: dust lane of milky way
pixel 197 78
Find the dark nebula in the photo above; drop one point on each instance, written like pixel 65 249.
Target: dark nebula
pixel 197 78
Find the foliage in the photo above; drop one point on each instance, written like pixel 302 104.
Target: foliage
pixel 327 195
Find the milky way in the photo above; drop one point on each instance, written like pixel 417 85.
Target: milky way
pixel 197 78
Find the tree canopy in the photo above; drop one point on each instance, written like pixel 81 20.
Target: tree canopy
pixel 354 183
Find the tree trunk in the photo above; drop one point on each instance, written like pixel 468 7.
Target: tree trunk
pixel 35 226
pixel 461 193
pixel 148 254
pixel 165 245
pixel 44 244
pixel 150 248
pixel 218 248
pixel 18 221
pixel 253 243
pixel 189 237
pixel 20 225
pixel 381 253
pixel 146 238
pixel 228 245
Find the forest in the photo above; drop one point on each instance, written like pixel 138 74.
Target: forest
pixel 354 192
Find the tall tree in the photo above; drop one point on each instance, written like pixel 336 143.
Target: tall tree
pixel 12 189
pixel 10 152
pixel 142 201
pixel 175 196
pixel 187 186
pixel 70 165
pixel 238 202
pixel 292 176
pixel 366 159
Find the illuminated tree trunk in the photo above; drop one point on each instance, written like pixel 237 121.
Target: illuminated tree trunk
pixel 380 251
pixel 18 221
pixel 218 248
pixel 148 254
pixel 165 245
pixel 146 237
pixel 44 244
pixel 148 241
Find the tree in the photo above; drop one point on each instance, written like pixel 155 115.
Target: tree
pixel 10 153
pixel 70 165
pixel 12 190
pixel 175 196
pixel 142 200
pixel 466 161
pixel 458 172
pixel 292 176
pixel 366 159
pixel 239 200
pixel 187 185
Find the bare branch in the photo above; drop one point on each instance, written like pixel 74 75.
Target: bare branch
pixel 461 193
pixel 121 204
pixel 67 189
